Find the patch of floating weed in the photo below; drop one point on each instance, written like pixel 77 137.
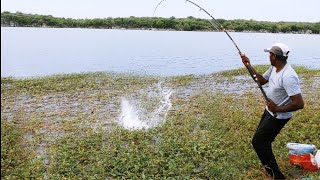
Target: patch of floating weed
pixel 180 80
pixel 69 83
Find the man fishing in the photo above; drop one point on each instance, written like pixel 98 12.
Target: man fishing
pixel 284 96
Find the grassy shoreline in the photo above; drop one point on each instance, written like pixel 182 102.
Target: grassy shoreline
pixel 64 126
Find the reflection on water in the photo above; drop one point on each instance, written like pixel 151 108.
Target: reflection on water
pixel 46 51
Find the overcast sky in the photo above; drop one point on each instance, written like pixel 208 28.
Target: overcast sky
pixel 267 10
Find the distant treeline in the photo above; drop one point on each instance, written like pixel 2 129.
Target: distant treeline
pixel 179 24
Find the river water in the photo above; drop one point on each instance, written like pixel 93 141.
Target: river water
pixel 27 52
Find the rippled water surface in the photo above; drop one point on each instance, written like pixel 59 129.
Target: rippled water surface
pixel 45 51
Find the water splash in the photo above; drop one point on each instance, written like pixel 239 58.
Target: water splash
pixel 135 117
pixel 129 117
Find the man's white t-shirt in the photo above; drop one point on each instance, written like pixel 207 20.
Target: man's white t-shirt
pixel 281 86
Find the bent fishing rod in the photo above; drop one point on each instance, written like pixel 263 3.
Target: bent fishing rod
pixel 221 28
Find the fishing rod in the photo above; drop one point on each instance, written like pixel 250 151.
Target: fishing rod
pixel 221 28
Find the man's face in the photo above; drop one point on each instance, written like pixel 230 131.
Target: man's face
pixel 272 58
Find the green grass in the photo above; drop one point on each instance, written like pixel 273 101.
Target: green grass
pixel 17 157
pixel 207 137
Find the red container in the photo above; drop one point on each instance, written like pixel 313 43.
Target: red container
pixel 306 161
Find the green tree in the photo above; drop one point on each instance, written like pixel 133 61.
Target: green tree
pixel 186 24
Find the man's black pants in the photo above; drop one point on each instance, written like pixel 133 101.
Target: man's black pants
pixel 268 128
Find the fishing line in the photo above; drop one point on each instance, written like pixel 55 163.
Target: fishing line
pixel 219 27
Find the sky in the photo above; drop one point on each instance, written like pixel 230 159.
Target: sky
pixel 267 10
